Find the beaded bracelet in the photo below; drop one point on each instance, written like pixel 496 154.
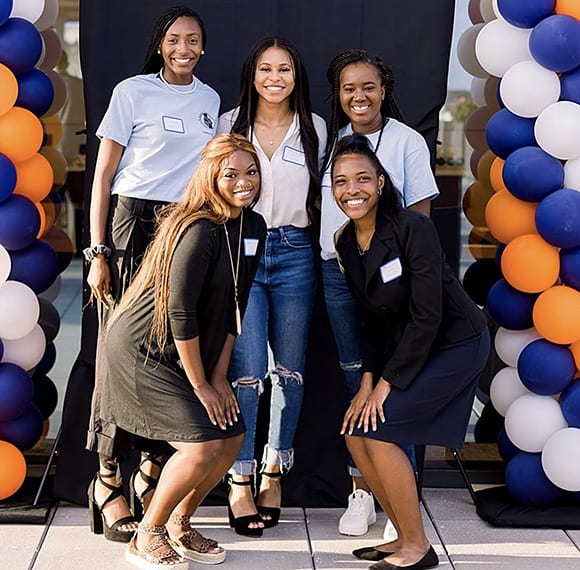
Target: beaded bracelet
pixel 91 252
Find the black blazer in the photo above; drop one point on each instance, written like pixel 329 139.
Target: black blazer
pixel 411 302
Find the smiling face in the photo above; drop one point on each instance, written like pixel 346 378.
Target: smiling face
pixel 356 186
pixel 361 96
pixel 181 49
pixel 238 181
pixel 274 76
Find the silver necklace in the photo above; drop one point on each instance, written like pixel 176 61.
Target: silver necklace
pixel 235 271
pixel 365 248
pixel 185 91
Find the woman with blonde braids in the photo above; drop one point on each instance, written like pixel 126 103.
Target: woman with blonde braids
pixel 167 347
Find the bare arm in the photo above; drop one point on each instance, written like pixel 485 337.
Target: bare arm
pixel 422 206
pixel 220 381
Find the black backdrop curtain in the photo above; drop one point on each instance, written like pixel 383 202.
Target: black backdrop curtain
pixel 412 36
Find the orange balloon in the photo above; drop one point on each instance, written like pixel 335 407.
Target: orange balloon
pixel 58 164
pixel 507 217
pixel 568 8
pixel 20 134
pixel 556 314
pixel 496 174
pixel 42 215
pixel 34 178
pixel 481 244
pixel 530 264
pixel 483 167
pixel 575 350
pixel 9 91
pixel 474 201
pixel 13 470
pixel 53 129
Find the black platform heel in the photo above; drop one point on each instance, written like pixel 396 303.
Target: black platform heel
pixel 97 518
pixel 136 500
pixel 272 512
pixel 241 525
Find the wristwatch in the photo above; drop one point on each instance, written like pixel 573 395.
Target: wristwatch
pixel 91 252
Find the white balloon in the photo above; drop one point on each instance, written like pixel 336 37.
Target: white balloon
pixel 506 387
pixel 5 264
pixel 48 16
pixel 500 45
pixel 19 309
pixel 27 351
pixel 466 51
pixel 509 344
pixel 557 130
pixel 561 459
pixel 30 10
pixel 531 420
pixel 486 9
pixel 52 292
pixel 572 174
pixel 527 88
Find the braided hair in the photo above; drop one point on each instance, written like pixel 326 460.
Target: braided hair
pixel 338 117
pixel 153 60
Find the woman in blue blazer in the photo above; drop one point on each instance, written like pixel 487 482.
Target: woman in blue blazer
pixel 424 345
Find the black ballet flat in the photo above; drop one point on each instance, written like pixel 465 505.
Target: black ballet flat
pixel 430 560
pixel 370 553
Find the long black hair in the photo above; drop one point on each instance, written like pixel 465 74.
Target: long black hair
pixel 390 199
pixel 153 60
pixel 338 118
pixel 299 103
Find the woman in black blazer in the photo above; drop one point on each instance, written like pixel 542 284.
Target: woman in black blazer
pixel 424 345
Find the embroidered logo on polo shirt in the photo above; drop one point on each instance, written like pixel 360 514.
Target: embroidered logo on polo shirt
pixel 207 121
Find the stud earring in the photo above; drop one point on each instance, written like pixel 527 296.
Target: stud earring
pixel 159 51
pixel 202 52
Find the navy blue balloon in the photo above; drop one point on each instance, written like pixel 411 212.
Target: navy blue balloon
pixel 36 266
pixel 7 177
pixel 555 43
pixel 48 359
pixel 546 368
pixel 530 173
pixel 1 349
pixel 19 222
pixel 510 308
pixel 35 92
pixel 20 45
pixel 570 267
pixel 527 483
pixel 498 253
pixel 23 431
pixel 5 10
pixel 570 404
pixel 525 14
pixel 45 395
pixel 570 86
pixel 506 448
pixel 558 218
pixel 16 390
pixel 506 132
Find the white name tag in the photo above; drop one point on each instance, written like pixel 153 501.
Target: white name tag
pixel 294 156
pixel 250 247
pixel 173 124
pixel 391 270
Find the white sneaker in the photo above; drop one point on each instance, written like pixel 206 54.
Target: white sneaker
pixel 359 514
pixel 390 533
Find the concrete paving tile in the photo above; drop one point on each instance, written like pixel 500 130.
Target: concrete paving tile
pixel 574 536
pixel 18 545
pixel 449 504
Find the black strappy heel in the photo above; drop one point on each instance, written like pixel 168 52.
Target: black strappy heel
pixel 241 525
pixel 137 499
pixel 272 512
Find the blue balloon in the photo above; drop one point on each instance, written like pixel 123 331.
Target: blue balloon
pixel 546 368
pixel 35 92
pixel 1 349
pixel 45 395
pixel 23 431
pixel 530 173
pixel 19 222
pixel 506 448
pixel 16 390
pixel 7 177
pixel 47 361
pixel 20 45
pixel 570 86
pixel 527 483
pixel 510 308
pixel 570 404
pixel 36 266
pixel 506 132
pixel 558 218
pixel 570 267
pixel 525 14
pixel 498 253
pixel 555 43
pixel 5 11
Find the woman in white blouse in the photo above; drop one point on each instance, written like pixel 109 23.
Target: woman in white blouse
pixel 274 112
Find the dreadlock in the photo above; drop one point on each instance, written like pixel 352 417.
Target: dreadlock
pixel 153 60
pixel 338 117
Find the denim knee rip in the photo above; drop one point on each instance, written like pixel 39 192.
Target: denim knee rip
pixel 283 458
pixel 283 376
pixel 249 383
pixel 351 366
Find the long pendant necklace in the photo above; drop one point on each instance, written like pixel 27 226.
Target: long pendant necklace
pixel 362 250
pixel 181 92
pixel 235 271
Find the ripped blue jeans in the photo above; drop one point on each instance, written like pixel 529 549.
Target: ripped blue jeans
pixel 278 314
